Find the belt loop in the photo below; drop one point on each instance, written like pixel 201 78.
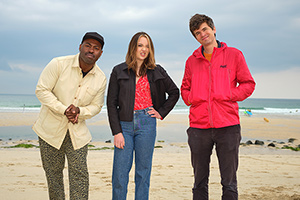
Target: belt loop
pixel 146 110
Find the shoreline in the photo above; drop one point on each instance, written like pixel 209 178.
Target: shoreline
pixel 251 126
pixel 161 147
pixel 280 128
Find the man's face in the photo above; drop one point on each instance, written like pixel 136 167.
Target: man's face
pixel 205 35
pixel 90 51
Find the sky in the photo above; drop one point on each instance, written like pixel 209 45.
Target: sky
pixel 32 32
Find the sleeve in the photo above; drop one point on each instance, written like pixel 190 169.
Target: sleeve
pixel 186 84
pixel 173 95
pixel 45 85
pixel 96 104
pixel 245 80
pixel 112 103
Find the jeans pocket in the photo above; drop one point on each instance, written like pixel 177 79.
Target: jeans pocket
pixel 147 114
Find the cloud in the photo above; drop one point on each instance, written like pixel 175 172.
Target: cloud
pixel 17 68
pixel 35 31
pixel 4 66
pixel 280 84
pixel 15 83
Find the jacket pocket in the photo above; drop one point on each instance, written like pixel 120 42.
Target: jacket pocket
pixel 221 89
pixel 199 88
pixel 88 97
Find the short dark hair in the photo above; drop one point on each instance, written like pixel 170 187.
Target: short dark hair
pixel 197 20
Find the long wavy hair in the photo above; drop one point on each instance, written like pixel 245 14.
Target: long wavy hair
pixel 131 61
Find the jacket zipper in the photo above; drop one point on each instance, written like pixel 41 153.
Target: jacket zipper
pixel 210 114
pixel 209 98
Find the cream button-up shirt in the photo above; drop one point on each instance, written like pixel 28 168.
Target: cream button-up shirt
pixel 61 84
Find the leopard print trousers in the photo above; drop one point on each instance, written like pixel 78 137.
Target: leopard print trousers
pixel 53 161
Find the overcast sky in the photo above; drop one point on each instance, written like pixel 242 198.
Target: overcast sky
pixel 32 32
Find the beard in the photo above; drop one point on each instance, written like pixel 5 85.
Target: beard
pixel 86 59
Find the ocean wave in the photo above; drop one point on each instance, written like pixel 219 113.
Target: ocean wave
pixel 19 109
pixel 252 108
pixel 176 110
pixel 277 111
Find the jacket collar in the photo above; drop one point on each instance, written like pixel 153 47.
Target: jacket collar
pixel 124 66
pixel 124 74
pixel 154 74
pixel 202 49
pixel 198 53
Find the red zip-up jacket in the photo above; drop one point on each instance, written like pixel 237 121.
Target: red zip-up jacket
pixel 212 89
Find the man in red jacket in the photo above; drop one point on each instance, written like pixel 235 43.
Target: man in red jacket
pixel 216 77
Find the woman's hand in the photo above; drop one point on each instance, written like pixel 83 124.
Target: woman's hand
pixel 119 141
pixel 154 113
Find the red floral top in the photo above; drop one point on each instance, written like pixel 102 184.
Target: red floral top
pixel 142 94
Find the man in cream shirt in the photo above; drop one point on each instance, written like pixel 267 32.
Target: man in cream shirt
pixel 71 90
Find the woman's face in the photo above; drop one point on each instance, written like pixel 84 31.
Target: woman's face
pixel 142 50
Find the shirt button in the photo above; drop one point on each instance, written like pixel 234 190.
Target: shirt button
pixel 75 98
pixel 79 85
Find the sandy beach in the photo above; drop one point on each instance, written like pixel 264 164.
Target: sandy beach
pixel 267 173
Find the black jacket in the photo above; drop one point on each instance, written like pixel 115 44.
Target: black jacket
pixel 121 94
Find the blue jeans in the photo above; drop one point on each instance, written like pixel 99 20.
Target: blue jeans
pixel 139 136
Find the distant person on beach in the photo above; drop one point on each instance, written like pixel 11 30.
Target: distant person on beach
pixel 71 90
pixel 137 95
pixel 216 77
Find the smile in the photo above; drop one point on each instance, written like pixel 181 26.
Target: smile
pixel 205 37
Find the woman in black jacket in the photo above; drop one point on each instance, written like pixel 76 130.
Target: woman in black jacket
pixel 136 97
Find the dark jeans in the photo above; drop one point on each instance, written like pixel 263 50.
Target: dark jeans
pixel 201 142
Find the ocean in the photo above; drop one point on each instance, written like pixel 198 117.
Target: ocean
pixel 29 103
pixel 290 108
